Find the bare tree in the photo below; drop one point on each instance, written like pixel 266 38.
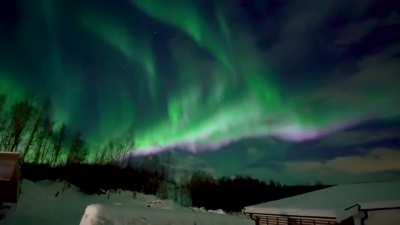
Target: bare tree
pixel 60 141
pixel 3 123
pixel 32 134
pixel 20 116
pixel 78 151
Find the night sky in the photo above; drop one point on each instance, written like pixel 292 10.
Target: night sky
pixel 297 91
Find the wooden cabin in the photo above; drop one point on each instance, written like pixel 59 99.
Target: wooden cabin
pixel 10 176
pixel 352 204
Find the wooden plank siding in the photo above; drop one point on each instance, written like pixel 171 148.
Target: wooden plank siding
pixel 10 176
pixel 262 219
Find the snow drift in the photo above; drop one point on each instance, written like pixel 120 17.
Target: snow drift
pixel 56 203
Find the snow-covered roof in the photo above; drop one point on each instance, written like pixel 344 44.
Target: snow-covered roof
pixel 335 202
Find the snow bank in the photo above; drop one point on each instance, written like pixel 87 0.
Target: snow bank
pixel 118 215
pixel 56 203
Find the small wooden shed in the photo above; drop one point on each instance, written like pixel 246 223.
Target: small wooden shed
pixel 10 176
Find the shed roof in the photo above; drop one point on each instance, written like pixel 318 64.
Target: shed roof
pixel 334 202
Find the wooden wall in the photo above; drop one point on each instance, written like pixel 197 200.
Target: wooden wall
pixel 292 220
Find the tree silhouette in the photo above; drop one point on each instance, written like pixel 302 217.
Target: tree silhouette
pixel 60 140
pixel 77 152
pixel 21 114
pixel 27 126
pixel 32 134
pixel 3 122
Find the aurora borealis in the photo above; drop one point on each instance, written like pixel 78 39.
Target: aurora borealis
pixel 204 75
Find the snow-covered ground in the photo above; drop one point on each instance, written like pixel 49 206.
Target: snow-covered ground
pixel 53 203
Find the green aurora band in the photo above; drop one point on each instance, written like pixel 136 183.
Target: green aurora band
pixel 208 83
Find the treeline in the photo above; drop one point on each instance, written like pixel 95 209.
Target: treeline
pixel 98 179
pixel 199 189
pixel 27 127
pixel 232 194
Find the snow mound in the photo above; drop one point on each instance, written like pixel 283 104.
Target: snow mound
pixel 115 215
pixel 57 203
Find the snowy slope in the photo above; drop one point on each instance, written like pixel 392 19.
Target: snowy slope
pixel 45 203
pixel 119 215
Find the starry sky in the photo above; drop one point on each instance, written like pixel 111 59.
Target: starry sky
pixel 297 91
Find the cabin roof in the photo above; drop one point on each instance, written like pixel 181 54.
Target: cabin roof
pixel 334 202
